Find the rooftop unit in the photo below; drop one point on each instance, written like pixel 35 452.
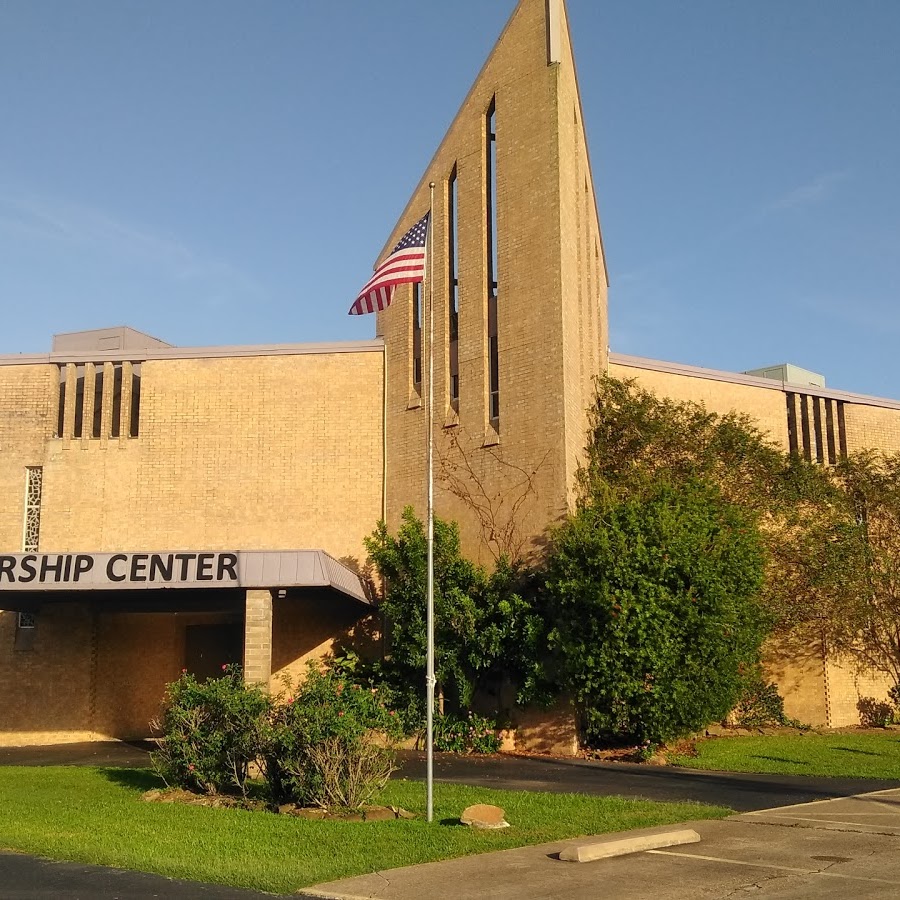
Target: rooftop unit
pixel 119 338
pixel 790 374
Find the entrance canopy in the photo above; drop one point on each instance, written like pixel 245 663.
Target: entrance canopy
pixel 177 569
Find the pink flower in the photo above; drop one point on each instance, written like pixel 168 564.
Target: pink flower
pixel 393 713
pixel 184 671
pixel 224 666
pixel 191 767
pixel 341 713
pixel 290 700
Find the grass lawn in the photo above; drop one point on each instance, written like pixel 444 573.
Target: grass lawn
pixel 95 815
pixel 846 755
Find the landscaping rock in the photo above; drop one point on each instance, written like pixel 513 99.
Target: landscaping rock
pixel 309 812
pixel 378 813
pixel 482 815
pixel 402 813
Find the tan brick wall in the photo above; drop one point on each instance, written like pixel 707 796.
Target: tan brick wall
pixel 846 684
pixel 766 407
pixel 46 695
pixel 138 654
pixel 276 452
pixel 816 690
pixel 28 404
pixel 310 625
pixel 551 314
pixel 800 676
pixel 583 266
pixel 869 427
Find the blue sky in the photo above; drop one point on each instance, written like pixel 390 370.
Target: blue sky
pixel 214 171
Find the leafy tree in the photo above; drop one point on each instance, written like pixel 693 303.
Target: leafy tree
pixel 486 628
pixel 654 603
pixel 636 437
pixel 855 606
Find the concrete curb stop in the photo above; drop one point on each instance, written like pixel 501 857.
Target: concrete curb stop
pixel 588 851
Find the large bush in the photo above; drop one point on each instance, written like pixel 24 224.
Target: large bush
pixel 211 731
pixel 326 743
pixel 655 610
pixel 488 629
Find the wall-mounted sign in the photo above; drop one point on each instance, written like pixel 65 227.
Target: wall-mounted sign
pixel 119 571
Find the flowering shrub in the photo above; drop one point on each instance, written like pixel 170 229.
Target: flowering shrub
pixel 325 742
pixel 210 732
pixel 472 734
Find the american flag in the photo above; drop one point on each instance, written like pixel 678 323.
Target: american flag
pixel 405 265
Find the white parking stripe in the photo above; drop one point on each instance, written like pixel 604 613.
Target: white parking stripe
pixel 755 865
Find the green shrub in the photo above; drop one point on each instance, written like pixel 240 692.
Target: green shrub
pixel 875 713
pixel 469 734
pixel 760 705
pixel 323 747
pixel 211 732
pixel 488 629
pixel 655 609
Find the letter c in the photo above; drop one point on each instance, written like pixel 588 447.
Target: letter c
pixel 110 571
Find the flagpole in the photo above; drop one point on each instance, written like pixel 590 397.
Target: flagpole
pixel 429 674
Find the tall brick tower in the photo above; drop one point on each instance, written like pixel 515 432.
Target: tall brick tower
pixel 520 300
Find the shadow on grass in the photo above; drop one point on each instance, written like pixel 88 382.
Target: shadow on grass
pixel 855 750
pixel 134 779
pixel 782 759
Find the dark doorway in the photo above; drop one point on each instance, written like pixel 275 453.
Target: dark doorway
pixel 209 647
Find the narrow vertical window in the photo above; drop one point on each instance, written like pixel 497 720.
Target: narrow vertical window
pixel 79 403
pixel 453 282
pixel 491 248
pixel 61 412
pixel 417 335
pixel 97 425
pixel 793 442
pixel 829 431
pixel 135 399
pixel 491 192
pixel 34 486
pixel 117 401
pixel 804 427
pixel 817 429
pixel 842 429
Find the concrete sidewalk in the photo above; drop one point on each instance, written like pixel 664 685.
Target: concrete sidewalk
pixel 840 848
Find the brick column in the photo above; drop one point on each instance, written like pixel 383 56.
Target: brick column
pixel 258 638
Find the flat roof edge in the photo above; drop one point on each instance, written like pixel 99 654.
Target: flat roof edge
pixel 769 384
pixel 223 352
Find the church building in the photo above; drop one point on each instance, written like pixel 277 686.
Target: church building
pixel 166 508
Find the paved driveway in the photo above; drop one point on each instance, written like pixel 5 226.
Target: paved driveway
pixel 739 791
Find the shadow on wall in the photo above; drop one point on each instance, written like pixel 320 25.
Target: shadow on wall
pixel 309 623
